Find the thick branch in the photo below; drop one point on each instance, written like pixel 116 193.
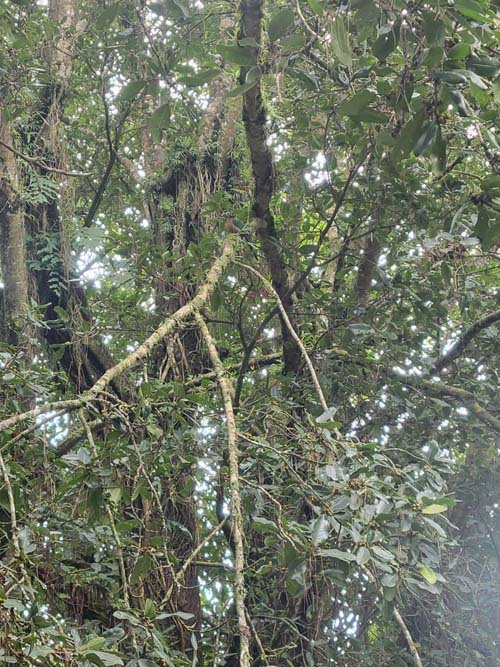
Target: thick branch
pixel 140 353
pixel 237 523
pixel 12 239
pixel 409 639
pixel 440 389
pixel 38 162
pixel 459 347
pixel 254 117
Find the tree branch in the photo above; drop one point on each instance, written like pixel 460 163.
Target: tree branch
pixel 226 389
pixel 409 639
pixel 38 162
pixel 141 352
pixel 458 348
pixel 440 389
pixel 254 118
pixel 293 334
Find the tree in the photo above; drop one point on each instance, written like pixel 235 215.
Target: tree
pixel 274 447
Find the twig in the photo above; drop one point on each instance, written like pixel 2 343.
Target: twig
pixel 14 527
pixel 312 263
pixel 111 518
pixel 304 21
pixel 237 522
pixel 293 333
pixel 409 639
pixel 441 389
pixel 195 552
pixel 12 509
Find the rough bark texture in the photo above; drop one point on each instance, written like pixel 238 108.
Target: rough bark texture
pixel 12 241
pixel 254 117
pixel 366 269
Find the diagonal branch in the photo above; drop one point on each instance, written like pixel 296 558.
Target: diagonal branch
pixel 409 639
pixel 165 329
pixel 226 389
pixel 293 334
pixel 443 390
pixel 459 347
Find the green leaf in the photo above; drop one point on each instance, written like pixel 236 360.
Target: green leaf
pixel 434 29
pixel 459 51
pixel 12 603
pixel 450 77
pixel 200 78
pixel 83 455
pixel 240 90
pixel 382 553
pixel 293 42
pixel 130 91
pixel 159 121
pixel 280 23
pixel 316 7
pixel 434 508
pixel 328 414
pixel 263 525
pixel 107 16
pixel 249 41
pixel 115 495
pixel 460 102
pixel 143 566
pixel 92 644
pixel 357 103
pixel 472 9
pixel 487 228
pixel 484 66
pixel 389 580
pixel 253 74
pixel 159 8
pixel 309 79
pixel 150 609
pixel 426 138
pixel 389 593
pixel 427 573
pixel 472 77
pixel 320 530
pixel 238 55
pixel 438 153
pixel 345 556
pixel 183 8
pixel 363 556
pixel 104 658
pixel 408 137
pixel 496 89
pixel 370 116
pixel 386 42
pixel 126 616
pixel 127 525
pixel 340 42
pixel 490 183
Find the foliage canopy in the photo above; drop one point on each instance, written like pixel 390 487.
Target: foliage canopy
pixel 273 446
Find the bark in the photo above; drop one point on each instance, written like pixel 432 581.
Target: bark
pixel 366 269
pixel 264 174
pixel 12 242
pixel 460 346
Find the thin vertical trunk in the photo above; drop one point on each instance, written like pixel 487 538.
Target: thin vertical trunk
pixel 12 241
